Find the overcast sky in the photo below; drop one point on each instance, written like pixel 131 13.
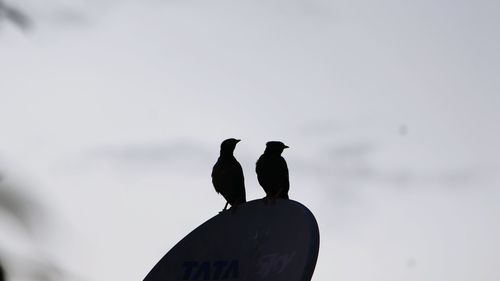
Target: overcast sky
pixel 112 112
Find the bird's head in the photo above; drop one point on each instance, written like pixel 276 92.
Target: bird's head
pixel 227 146
pixel 275 147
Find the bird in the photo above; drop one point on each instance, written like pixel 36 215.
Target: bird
pixel 227 175
pixel 272 171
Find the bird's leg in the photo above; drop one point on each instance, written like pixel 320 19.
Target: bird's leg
pixel 225 207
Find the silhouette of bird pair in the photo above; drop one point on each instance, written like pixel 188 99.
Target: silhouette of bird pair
pixel 271 168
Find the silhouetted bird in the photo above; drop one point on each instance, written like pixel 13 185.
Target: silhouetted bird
pixel 227 175
pixel 272 171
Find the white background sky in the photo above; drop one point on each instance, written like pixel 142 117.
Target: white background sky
pixel 111 115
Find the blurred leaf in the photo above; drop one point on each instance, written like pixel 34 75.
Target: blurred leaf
pixel 2 273
pixel 19 206
pixel 15 16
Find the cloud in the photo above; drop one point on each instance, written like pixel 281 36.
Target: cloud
pixel 355 163
pixel 166 156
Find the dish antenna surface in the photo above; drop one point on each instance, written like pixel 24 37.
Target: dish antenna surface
pixel 259 241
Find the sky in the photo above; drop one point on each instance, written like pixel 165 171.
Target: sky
pixel 112 113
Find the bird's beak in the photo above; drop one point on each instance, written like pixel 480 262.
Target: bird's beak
pixel 237 141
pixel 286 146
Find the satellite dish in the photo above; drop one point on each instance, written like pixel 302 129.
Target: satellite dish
pixel 259 241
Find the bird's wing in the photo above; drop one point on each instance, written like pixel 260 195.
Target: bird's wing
pixel 223 175
pixel 239 180
pixel 261 170
pixel 217 175
pixel 266 174
pixel 282 172
pixel 237 174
